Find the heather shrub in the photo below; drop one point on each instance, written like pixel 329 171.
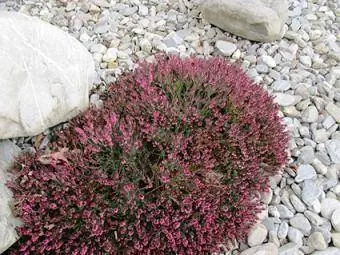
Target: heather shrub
pixel 172 164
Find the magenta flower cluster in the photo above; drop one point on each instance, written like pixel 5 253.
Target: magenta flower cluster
pixel 172 164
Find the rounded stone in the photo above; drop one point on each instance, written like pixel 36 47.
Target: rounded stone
pixel 305 172
pixel 317 241
pixel 313 217
pixel 283 99
pixel 269 61
pixel 290 248
pixel 110 55
pixel 335 219
pixel 283 230
pixel 257 235
pixel 226 48
pixel 264 249
pixel 285 213
pixel 295 236
pixel 336 239
pixel 310 114
pixel 300 222
pixel 297 203
pixel 266 197
pixel 328 206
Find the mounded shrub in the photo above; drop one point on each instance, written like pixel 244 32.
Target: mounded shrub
pixel 172 164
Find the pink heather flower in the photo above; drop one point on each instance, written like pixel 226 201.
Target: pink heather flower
pixel 170 164
pixel 165 179
pixel 113 119
pixel 128 188
pixel 84 250
pixel 155 115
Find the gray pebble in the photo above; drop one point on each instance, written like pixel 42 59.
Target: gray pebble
pixel 305 172
pixel 285 213
pixel 300 222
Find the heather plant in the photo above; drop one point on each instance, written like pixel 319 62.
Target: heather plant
pixel 173 163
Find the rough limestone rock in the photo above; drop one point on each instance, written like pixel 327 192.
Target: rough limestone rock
pixel 8 235
pixel 45 75
pixel 256 20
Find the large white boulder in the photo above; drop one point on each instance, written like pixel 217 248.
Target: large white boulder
pixel 256 20
pixel 8 235
pixel 45 75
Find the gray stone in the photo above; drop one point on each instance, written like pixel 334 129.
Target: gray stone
pixel 334 111
pixel 263 214
pixel 269 224
pixel 45 75
pixel 317 241
pixel 226 48
pixel 266 197
pixel 8 223
pixel 145 45
pixel 272 238
pixel 281 85
pixel 306 155
pixel 272 210
pixel 143 10
pixel 275 74
pixel 289 249
pixel 328 122
pixel 297 203
pixel 300 222
pixel 295 236
pixel 257 235
pixel 264 249
pixel 325 229
pixel 98 48
pixel 296 188
pixel 332 172
pixel 283 230
pixel 102 27
pixel 285 213
pixel 313 217
pixel 101 3
pixel 306 60
pixel 320 135
pixel 269 61
pixel 291 111
pixel 173 40
pixel 335 219
pixel 315 206
pixel 283 99
pixel 304 132
pixel 323 157
pixel 96 101
pixel 306 250
pixel 328 251
pixel 333 149
pixel 110 55
pixel 262 68
pixel 285 200
pixel 310 115
pixel 336 239
pixel 333 75
pixel 305 172
pixel 128 11
pixel 328 206
pixel 256 20
pixel 310 191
